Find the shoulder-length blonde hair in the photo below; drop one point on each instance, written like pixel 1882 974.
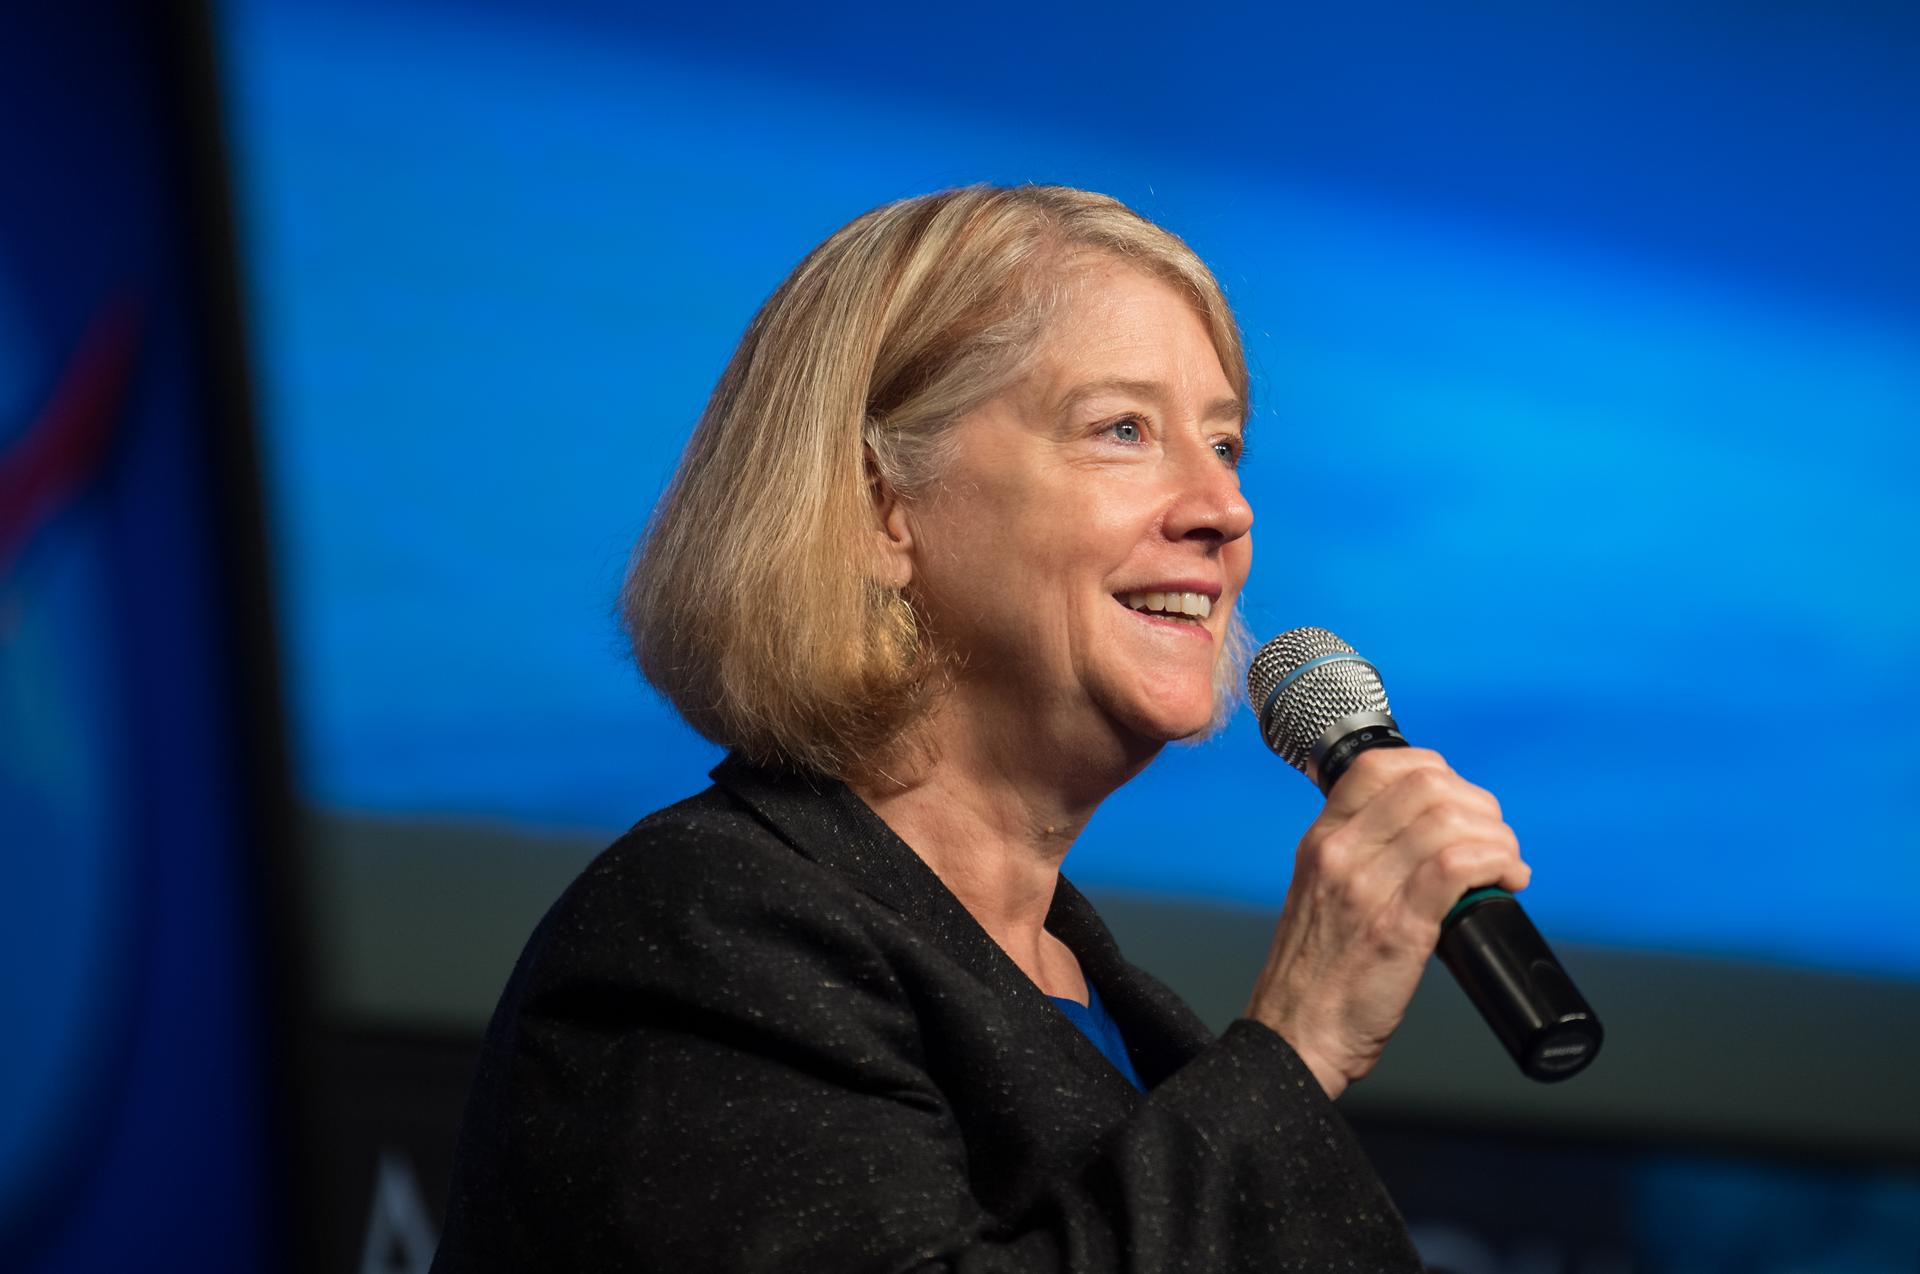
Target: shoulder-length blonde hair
pixel 750 601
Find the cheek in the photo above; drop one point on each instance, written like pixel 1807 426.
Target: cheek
pixel 982 558
pixel 1061 535
pixel 1105 525
pixel 1040 546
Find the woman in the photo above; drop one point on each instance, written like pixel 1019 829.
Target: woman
pixel 953 553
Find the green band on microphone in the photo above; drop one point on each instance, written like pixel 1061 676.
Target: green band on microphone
pixel 1491 891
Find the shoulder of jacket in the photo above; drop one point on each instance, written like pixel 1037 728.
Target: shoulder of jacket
pixel 708 851
pixel 695 890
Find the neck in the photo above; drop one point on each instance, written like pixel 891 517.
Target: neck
pixel 994 815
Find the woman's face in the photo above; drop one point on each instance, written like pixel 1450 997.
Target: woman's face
pixel 1087 514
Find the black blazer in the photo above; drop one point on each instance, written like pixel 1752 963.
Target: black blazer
pixel 758 1033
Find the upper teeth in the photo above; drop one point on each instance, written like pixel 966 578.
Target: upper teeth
pixel 1199 605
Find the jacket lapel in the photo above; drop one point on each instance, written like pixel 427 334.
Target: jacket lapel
pixel 824 821
pixel 1162 1032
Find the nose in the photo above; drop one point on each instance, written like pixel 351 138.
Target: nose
pixel 1207 502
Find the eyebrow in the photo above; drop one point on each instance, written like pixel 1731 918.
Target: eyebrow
pixel 1228 408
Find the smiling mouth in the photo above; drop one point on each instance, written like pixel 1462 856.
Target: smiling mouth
pixel 1192 608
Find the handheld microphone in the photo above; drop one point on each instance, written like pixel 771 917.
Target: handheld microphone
pixel 1320 705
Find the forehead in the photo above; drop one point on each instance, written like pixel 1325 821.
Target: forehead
pixel 1118 324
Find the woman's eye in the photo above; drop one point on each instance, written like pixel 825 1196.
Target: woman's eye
pixel 1228 450
pixel 1126 430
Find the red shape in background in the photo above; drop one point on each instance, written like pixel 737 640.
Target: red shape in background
pixel 66 446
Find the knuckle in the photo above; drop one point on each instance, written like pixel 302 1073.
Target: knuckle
pixel 1382 934
pixel 1456 861
pixel 1352 892
pixel 1352 885
pixel 1454 822
pixel 1420 933
pixel 1322 848
pixel 1399 929
pixel 1423 785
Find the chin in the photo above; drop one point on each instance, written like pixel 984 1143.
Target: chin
pixel 1165 722
pixel 1191 732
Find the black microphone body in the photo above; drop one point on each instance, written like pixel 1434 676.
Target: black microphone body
pixel 1321 705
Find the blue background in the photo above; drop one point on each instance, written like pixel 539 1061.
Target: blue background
pixel 1587 357
pixel 1585 345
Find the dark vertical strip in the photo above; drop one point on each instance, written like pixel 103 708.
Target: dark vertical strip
pixel 273 864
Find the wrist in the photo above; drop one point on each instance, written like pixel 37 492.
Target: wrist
pixel 1332 1079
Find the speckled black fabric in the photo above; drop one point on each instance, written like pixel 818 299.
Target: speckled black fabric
pixel 759 1034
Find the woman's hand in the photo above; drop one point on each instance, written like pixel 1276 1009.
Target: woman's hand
pixel 1402 837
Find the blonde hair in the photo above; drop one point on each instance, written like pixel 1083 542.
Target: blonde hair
pixel 750 601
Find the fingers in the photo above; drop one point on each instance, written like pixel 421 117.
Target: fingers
pixel 1401 839
pixel 1442 877
pixel 1377 769
pixel 1422 790
pixel 1409 831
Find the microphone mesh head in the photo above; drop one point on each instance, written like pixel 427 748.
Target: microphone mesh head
pixel 1296 718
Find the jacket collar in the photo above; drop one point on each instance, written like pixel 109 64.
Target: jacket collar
pixel 826 822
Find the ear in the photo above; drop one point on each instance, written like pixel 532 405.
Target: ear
pixel 892 535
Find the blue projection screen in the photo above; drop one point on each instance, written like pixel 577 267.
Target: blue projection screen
pixel 1589 416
